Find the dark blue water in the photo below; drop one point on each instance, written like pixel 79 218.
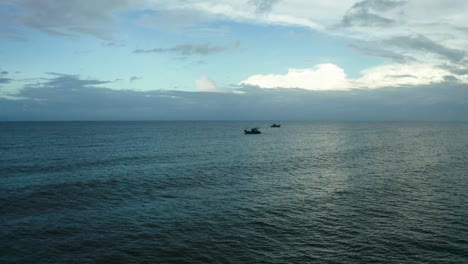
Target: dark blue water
pixel 202 192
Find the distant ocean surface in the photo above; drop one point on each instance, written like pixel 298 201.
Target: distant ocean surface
pixel 203 192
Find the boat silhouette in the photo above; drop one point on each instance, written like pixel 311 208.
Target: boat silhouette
pixel 252 131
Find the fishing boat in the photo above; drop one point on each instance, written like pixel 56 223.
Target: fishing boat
pixel 275 125
pixel 252 131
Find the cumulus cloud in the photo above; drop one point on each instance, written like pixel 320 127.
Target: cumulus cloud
pixel 321 77
pixel 192 49
pixel 332 77
pixel 70 97
pixel 395 75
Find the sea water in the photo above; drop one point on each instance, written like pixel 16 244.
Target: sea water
pixel 203 192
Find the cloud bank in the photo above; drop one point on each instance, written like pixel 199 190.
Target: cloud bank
pixel 70 97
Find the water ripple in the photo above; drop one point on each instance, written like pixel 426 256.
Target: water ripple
pixel 176 192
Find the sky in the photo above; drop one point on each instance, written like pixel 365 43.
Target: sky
pixel 234 60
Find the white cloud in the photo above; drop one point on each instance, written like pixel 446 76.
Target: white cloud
pixel 400 75
pixel 205 84
pixel 321 77
pixel 332 77
pixel 280 13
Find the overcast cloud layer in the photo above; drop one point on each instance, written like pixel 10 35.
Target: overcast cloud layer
pixel 67 97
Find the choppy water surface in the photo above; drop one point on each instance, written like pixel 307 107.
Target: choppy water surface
pixel 202 192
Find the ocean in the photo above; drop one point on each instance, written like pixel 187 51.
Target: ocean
pixel 203 192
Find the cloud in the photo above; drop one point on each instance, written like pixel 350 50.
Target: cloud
pixel 374 50
pixel 364 18
pixel 400 74
pixel 358 20
pixel 332 77
pixel 263 6
pixel 422 43
pixel 450 78
pixel 455 69
pixel 405 32
pixel 205 84
pixel 321 77
pixel 365 13
pixel 134 78
pixel 237 11
pixel 61 81
pixel 98 17
pixel 66 18
pixel 7 31
pixel 192 49
pixel 70 97
pixel 4 72
pixel 174 19
pixel 112 43
pixel 378 5
pixel 432 39
pixel 5 80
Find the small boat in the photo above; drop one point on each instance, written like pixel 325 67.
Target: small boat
pixel 275 125
pixel 252 131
